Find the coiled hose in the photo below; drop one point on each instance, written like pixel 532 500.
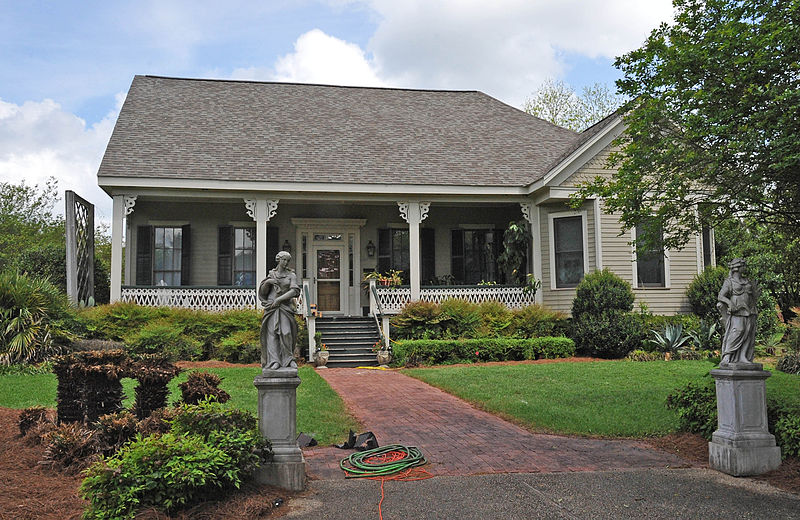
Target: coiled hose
pixel 382 461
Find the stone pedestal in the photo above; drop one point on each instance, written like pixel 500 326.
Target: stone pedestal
pixel 742 444
pixel 277 420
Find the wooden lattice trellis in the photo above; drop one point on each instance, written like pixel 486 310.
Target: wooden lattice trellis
pixel 80 248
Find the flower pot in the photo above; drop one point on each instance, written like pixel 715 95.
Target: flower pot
pixel 384 357
pixel 322 358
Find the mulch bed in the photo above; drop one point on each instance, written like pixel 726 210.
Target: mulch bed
pixel 694 449
pixel 31 490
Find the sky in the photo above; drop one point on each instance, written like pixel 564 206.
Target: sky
pixel 66 66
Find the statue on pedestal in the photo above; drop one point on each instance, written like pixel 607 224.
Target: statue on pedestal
pixel 739 315
pixel 278 326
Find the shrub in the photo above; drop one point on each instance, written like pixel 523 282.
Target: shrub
pixel 611 334
pixel 703 290
pixel 787 432
pixel 418 319
pixel 165 338
pixel 102 372
pixel 69 391
pixel 166 472
pixel 210 449
pixel 696 404
pixel 435 352
pixel 495 319
pixel 158 422
pixel 602 291
pixel 70 446
pixel 789 363
pixel 32 319
pixel 114 430
pixel 536 321
pixel 30 417
pixel 242 346
pixel 461 318
pixel 201 385
pixel 154 372
pixel 644 355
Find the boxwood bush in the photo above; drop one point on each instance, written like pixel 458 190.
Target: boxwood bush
pixel 437 352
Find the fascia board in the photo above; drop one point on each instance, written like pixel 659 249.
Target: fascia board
pixel 307 191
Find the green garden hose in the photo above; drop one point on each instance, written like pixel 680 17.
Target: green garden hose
pixel 382 461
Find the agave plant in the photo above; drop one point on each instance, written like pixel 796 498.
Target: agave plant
pixel 672 339
pixel 707 336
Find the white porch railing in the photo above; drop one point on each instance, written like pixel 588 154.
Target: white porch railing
pixel 199 298
pixel 394 299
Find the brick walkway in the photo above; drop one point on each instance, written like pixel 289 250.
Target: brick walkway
pixel 458 439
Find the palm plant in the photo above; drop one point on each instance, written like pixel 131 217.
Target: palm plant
pixel 28 308
pixel 671 340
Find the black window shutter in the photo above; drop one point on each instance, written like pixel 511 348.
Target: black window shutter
pixel 428 250
pixel 225 255
pixel 144 255
pixel 457 255
pixel 384 250
pixel 272 249
pixel 186 255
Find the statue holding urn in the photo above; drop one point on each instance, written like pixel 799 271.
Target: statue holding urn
pixel 739 315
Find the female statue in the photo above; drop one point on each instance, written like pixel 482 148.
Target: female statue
pixel 278 327
pixel 737 304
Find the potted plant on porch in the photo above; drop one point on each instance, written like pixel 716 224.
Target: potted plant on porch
pixel 322 354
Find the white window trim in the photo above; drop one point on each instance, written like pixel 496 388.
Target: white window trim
pixel 551 238
pixel 635 273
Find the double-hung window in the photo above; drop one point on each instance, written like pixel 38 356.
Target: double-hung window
pixel 474 255
pixel 162 255
pixel 568 240
pixel 651 265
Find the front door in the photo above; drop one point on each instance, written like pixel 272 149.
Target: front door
pixel 329 278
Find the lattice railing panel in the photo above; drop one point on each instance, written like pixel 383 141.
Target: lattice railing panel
pixel 393 300
pixel 205 298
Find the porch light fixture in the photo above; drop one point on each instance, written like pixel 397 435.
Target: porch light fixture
pixel 286 246
pixel 370 249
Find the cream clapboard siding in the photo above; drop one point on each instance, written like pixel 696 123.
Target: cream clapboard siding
pixel 561 299
pixel 618 254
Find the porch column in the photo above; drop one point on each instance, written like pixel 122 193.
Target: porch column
pixel 122 206
pixel 531 213
pixel 261 211
pixel 414 213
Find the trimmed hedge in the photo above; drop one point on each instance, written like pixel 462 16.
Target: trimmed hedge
pixel 440 352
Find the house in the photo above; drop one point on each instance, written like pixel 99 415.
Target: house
pixel 210 178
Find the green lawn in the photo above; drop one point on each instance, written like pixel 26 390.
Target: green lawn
pixel 320 411
pixel 612 398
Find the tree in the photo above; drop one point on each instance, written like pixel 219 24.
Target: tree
pixel 557 102
pixel 773 258
pixel 27 219
pixel 713 121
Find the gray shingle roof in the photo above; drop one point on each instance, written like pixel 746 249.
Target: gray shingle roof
pixel 256 131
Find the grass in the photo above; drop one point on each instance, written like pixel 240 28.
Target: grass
pixel 320 411
pixel 612 398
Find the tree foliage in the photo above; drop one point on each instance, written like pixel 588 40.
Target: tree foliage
pixel 557 102
pixel 712 120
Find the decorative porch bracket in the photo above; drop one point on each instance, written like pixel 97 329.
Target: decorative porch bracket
pixel 261 211
pixel 122 207
pixel 414 213
pixel 531 213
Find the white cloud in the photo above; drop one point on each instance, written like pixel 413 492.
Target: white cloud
pixel 40 140
pixel 318 58
pixel 506 47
